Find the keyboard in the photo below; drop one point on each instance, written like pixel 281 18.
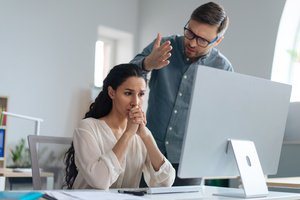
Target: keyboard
pixel 174 189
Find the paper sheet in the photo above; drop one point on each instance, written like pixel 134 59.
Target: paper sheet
pixel 92 194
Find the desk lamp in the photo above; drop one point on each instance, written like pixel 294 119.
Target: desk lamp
pixel 37 120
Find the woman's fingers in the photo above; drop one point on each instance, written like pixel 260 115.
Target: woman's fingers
pixel 137 115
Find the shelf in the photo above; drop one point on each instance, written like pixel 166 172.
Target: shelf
pixel 3 120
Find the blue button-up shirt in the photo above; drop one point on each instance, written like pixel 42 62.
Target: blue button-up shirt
pixel 170 92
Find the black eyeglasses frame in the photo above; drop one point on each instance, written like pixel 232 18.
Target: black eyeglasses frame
pixel 196 36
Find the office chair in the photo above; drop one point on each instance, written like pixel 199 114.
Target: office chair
pixel 289 163
pixel 292 129
pixel 47 154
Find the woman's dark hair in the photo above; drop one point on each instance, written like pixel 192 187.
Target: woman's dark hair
pixel 212 14
pixel 101 107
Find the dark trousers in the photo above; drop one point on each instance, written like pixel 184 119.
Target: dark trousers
pixel 184 181
pixel 178 181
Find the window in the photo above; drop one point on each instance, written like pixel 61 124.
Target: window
pixel 112 47
pixel 104 59
pixel 286 63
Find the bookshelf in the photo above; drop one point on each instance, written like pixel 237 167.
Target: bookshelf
pixel 3 119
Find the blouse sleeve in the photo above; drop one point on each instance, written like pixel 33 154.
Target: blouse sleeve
pixel 164 177
pixel 100 169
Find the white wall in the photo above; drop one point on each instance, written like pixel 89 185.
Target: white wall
pixel 47 49
pixel 47 58
pixel 249 42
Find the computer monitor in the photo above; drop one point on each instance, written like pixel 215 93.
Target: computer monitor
pixel 226 105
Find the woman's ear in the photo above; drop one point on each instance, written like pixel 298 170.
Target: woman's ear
pixel 111 92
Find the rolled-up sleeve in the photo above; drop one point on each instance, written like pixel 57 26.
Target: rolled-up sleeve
pixel 139 58
pixel 164 177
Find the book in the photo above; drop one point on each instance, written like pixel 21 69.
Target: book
pixel 3 107
pixel 1 117
pixel 2 139
pixel 3 120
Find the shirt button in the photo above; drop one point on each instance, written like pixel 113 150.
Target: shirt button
pixel 170 128
pixel 185 76
pixel 175 111
pixel 180 94
pixel 167 142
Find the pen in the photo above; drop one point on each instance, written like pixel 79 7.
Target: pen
pixel 136 193
pixel 48 197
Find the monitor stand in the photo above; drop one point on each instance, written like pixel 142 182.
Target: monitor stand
pixel 252 177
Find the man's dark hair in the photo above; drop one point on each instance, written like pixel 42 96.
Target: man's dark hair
pixel 212 14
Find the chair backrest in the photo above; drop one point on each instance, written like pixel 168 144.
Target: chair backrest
pixel 47 153
pixel 292 129
pixel 289 163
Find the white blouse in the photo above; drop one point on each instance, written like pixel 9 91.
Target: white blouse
pixel 98 166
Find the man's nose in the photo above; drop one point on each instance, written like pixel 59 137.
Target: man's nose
pixel 193 42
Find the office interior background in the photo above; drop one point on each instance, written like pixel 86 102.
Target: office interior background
pixel 47 50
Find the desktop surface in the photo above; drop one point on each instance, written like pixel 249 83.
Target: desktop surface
pixel 206 192
pixel 284 182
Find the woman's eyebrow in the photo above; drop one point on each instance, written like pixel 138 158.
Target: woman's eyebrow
pixel 129 89
pixel 132 90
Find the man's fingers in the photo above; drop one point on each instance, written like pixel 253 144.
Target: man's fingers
pixel 166 46
pixel 165 49
pixel 165 57
pixel 157 41
pixel 163 64
pixel 160 54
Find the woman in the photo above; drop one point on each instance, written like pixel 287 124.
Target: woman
pixel 112 147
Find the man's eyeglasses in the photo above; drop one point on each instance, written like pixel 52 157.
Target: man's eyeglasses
pixel 189 34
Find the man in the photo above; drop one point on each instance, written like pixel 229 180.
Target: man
pixel 172 61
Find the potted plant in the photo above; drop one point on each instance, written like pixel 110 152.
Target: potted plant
pixel 295 56
pixel 20 155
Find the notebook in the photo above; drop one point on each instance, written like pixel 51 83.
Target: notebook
pixel 174 189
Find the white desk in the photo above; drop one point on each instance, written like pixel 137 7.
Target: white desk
pixel 284 182
pixel 209 191
pixel 206 193
pixel 9 173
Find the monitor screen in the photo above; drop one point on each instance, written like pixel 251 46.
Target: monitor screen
pixel 226 105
